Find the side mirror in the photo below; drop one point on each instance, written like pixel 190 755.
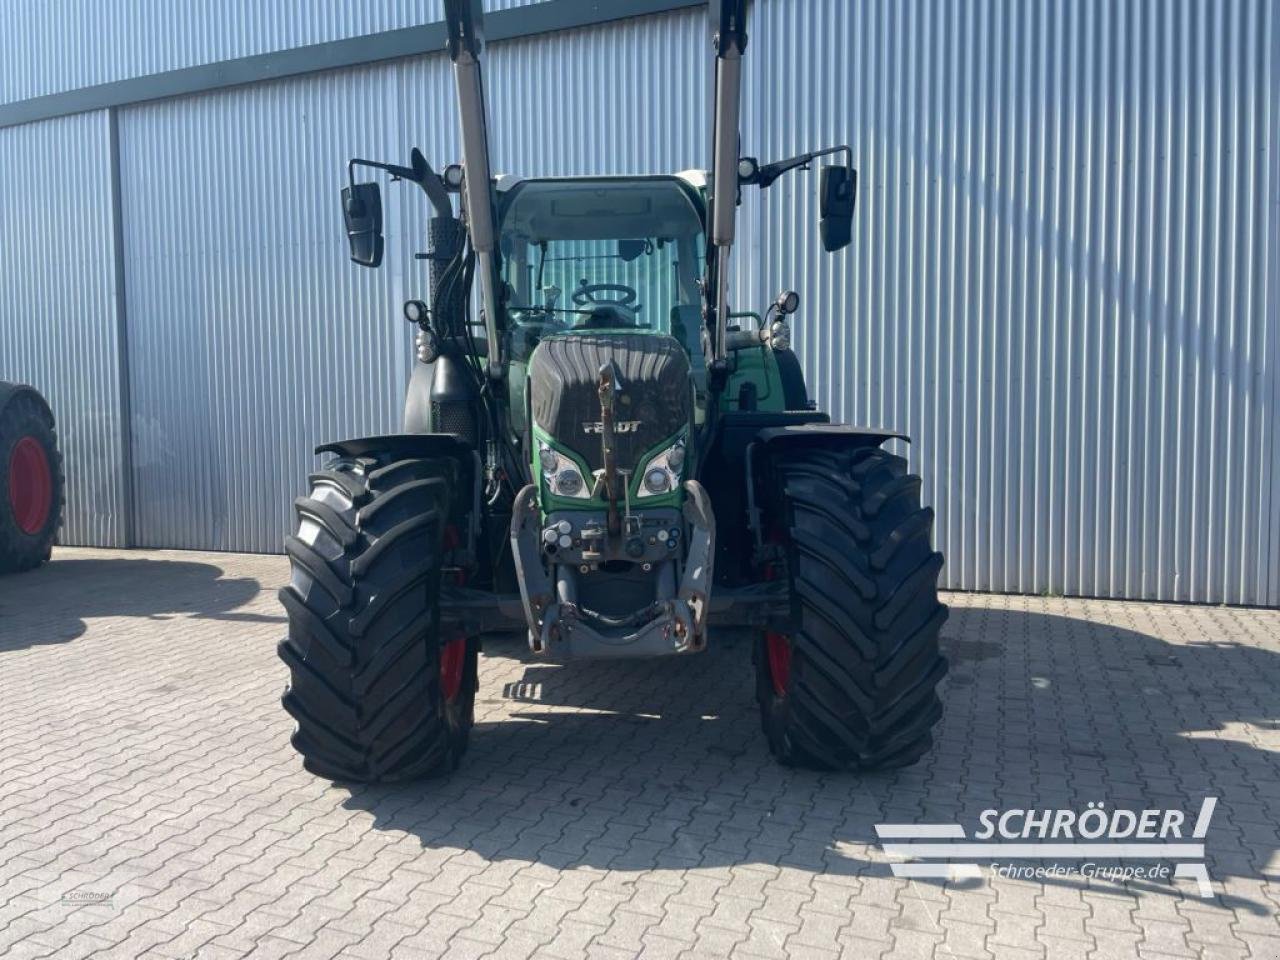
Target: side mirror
pixel 628 250
pixel 362 210
pixel 839 192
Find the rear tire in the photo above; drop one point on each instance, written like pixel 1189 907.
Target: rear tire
pixel 852 686
pixel 379 694
pixel 31 484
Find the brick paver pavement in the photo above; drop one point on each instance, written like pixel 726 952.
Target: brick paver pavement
pixel 152 806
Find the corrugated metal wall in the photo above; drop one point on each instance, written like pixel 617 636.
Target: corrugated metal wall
pixel 252 336
pixel 57 305
pixel 54 45
pixel 1061 282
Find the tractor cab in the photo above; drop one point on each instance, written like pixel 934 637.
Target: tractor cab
pixel 603 253
pixel 601 256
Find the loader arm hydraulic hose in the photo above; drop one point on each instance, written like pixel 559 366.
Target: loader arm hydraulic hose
pixel 464 20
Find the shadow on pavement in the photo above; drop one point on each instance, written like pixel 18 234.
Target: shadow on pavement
pixel 660 764
pixel 50 604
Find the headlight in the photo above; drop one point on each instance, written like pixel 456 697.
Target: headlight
pixel 780 335
pixel 569 482
pixel 662 473
pixel 657 480
pixel 562 476
pixel 548 458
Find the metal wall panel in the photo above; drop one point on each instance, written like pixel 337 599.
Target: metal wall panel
pixel 1062 280
pixel 252 336
pixel 57 305
pixel 56 45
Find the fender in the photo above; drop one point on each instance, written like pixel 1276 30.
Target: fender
pixel 401 445
pixel 407 445
pixel 817 434
pixel 417 399
pixel 739 439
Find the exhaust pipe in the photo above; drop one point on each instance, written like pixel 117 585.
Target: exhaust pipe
pixel 465 22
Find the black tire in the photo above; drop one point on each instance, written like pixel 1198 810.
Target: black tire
pixel 859 690
pixel 31 484
pixel 364 646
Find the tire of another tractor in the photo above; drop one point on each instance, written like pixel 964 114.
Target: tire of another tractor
pixel 31 484
pixel 379 693
pixel 852 687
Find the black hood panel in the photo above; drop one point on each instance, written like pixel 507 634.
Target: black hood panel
pixel 656 398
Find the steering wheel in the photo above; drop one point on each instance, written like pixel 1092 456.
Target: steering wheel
pixel 585 295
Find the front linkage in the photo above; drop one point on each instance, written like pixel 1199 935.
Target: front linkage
pixel 675 621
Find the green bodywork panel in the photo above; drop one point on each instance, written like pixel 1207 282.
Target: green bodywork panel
pixel 551 502
pixel 755 365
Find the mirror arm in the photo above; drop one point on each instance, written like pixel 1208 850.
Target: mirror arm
pixel 770 172
pixel 428 180
pixel 397 172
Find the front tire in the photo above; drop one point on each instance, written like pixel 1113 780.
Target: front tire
pixel 379 693
pixel 852 685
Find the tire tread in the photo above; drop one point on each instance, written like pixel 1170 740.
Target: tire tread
pixel 865 654
pixel 364 636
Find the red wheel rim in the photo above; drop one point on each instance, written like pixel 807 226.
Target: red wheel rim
pixel 779 649
pixel 30 485
pixel 453 657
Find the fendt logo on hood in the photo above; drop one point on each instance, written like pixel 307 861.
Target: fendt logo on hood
pixel 620 426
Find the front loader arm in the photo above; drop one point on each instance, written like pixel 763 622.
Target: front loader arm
pixel 729 37
pixel 465 22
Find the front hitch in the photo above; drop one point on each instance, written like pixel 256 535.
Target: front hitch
pixel 674 623
pixel 610 385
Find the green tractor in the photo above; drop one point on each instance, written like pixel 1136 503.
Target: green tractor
pixel 610 461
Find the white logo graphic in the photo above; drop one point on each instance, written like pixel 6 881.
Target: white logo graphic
pixel 619 426
pixel 1055 835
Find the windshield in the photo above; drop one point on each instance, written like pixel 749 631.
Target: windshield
pixel 602 255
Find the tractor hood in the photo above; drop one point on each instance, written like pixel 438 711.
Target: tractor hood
pixel 653 401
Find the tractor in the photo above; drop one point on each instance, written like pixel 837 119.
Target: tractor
pixel 604 457
pixel 31 504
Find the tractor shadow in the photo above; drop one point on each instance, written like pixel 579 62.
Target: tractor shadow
pixel 50 604
pixel 661 765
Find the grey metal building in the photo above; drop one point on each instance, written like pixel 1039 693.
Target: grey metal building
pixel 1063 281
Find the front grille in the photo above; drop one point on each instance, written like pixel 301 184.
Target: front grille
pixel 655 401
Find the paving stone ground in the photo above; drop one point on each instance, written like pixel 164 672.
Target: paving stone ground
pixel 150 803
